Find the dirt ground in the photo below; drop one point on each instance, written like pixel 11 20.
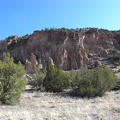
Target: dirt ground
pixel 51 106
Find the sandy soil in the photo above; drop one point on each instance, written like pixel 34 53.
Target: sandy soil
pixel 50 106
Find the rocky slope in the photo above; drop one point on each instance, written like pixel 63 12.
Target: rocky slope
pixel 66 48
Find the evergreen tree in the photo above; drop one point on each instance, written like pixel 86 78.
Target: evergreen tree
pixel 12 80
pixel 56 80
pixel 93 82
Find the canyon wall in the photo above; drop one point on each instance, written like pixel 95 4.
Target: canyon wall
pixel 65 48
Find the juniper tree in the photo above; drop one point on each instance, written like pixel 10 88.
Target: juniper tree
pixel 12 80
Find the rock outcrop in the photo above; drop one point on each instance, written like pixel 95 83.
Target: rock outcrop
pixel 32 63
pixel 65 48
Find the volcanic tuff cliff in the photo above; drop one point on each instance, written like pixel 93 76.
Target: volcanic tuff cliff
pixel 66 48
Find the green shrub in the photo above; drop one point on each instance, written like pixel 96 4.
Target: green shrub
pixel 114 55
pixel 12 81
pixel 104 79
pixel 56 80
pixel 117 86
pixel 37 79
pixel 93 82
pixel 73 75
pixel 82 83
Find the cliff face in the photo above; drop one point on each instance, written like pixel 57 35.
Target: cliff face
pixel 67 49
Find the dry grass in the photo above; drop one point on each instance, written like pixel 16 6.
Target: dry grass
pixel 50 106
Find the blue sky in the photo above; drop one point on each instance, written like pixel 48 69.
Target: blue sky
pixel 20 17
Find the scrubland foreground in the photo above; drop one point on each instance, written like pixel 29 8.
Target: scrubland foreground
pixel 67 49
pixel 61 106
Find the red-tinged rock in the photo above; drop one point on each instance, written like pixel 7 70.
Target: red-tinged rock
pixel 65 48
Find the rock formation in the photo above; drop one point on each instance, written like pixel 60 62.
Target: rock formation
pixel 31 64
pixel 65 48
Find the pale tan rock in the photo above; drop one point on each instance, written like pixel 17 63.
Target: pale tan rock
pixel 28 66
pixel 67 49
pixel 31 64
